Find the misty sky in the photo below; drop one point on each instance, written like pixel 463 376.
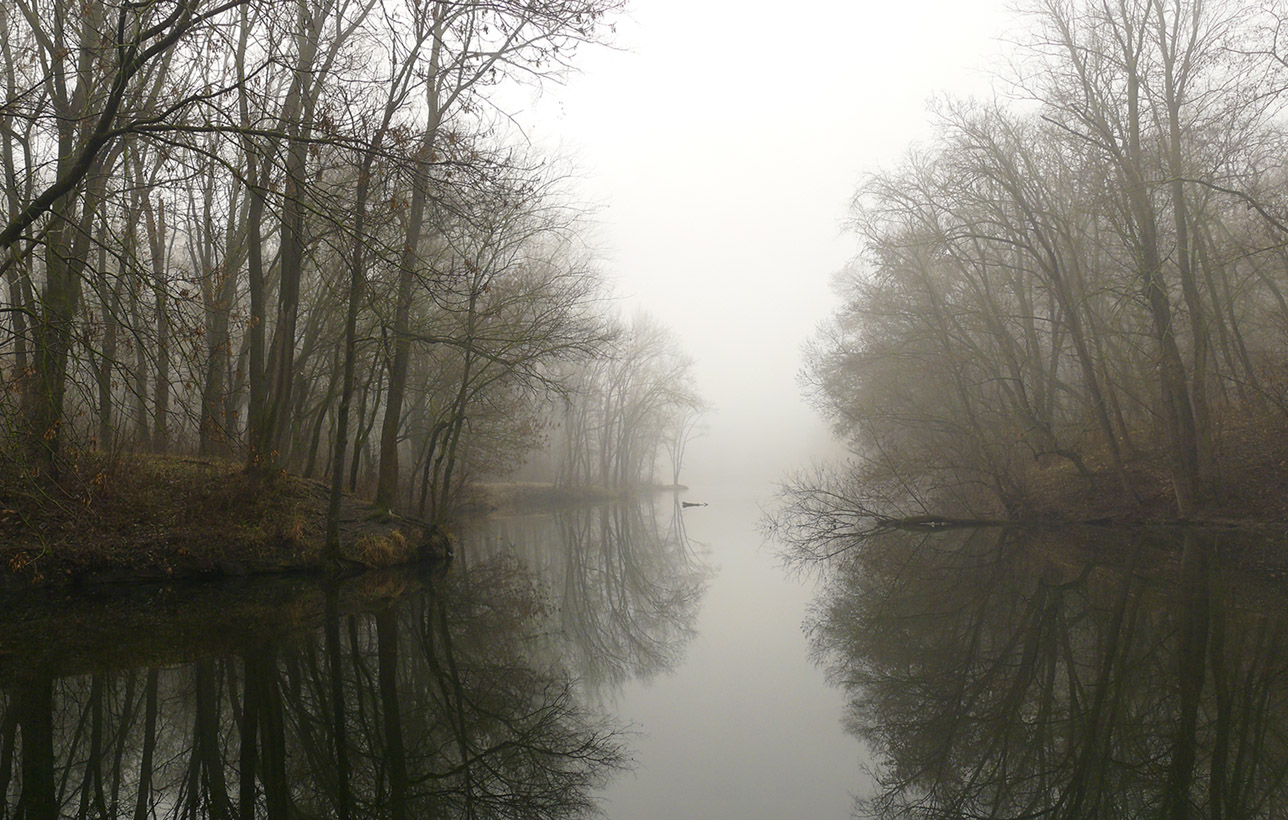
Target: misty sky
pixel 722 142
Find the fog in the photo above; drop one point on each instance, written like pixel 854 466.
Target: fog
pixel 1048 333
pixel 722 142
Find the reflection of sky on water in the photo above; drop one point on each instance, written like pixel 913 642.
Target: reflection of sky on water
pixel 624 579
pixel 744 726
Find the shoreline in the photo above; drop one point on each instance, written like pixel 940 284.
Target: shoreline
pixel 148 519
pixel 154 519
pixel 159 518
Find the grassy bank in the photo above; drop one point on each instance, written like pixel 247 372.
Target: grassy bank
pixel 152 517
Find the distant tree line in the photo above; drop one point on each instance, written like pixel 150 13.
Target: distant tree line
pixel 629 413
pixel 291 232
pixel 1090 269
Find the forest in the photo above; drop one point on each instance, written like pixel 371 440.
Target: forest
pixel 307 236
pixel 1072 296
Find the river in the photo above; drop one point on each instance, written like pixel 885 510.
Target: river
pixel 649 661
pixel 739 723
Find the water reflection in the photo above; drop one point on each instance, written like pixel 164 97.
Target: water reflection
pixel 394 695
pixel 625 581
pixel 1013 674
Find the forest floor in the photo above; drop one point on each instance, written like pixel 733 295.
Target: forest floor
pixel 144 518
pixel 1248 484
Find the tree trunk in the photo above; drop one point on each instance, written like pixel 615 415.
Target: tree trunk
pixel 156 228
pixel 387 477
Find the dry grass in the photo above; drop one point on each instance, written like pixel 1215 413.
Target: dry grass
pixel 167 517
pixel 376 550
pixel 1248 481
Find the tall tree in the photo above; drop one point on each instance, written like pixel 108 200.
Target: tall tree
pixel 474 45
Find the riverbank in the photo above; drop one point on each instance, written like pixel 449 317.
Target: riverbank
pixel 1247 484
pixel 140 518
pixel 145 518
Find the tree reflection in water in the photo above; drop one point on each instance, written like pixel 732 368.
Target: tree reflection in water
pixel 1012 674
pixel 625 580
pixel 409 697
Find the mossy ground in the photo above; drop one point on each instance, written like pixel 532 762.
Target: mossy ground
pixel 137 517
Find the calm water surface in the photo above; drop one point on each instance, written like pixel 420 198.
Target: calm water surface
pixel 651 662
pixel 1065 674
pixel 737 722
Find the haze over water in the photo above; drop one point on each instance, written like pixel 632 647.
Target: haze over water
pixel 721 145
pixel 745 727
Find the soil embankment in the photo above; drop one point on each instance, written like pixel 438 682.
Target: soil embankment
pixel 155 518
